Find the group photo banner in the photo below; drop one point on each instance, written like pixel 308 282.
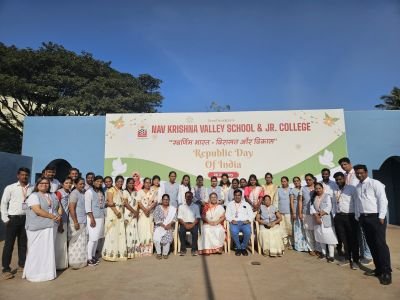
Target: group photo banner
pixel 290 143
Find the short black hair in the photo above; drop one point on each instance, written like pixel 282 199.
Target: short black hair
pixel 199 177
pixel 326 170
pixel 97 177
pixel 268 173
pixel 23 169
pixel 73 169
pixel 344 160
pixel 89 173
pixel 338 174
pixel 237 191
pixel 170 173
pixel 360 167
pixel 50 168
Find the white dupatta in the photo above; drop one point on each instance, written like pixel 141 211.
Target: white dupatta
pixel 159 232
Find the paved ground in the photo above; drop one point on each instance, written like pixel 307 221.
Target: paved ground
pixel 294 276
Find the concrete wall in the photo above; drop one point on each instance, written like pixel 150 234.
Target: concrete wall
pixel 79 140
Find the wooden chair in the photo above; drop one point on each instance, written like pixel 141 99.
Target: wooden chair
pixel 258 237
pixel 252 237
pixel 177 241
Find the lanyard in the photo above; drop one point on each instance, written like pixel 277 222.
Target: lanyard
pixel 237 209
pixel 25 191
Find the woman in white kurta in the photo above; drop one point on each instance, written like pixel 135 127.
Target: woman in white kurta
pixel 213 232
pixel 147 201
pixel 270 235
pixel 61 249
pixel 131 215
pixel 114 248
pixel 323 229
pixel 77 230
pixel 42 220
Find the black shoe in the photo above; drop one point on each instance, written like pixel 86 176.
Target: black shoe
pixel 371 273
pixel 91 263
pixel 321 256
pixel 385 279
pixel 238 252
pixel 330 260
pixel 244 252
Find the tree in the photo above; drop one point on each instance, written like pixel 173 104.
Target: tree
pixel 53 81
pixel 215 107
pixel 392 101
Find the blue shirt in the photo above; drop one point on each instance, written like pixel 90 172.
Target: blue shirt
pixel 284 200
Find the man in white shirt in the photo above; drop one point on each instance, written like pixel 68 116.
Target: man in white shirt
pixel 351 179
pixel 13 215
pixel 50 173
pixel 328 184
pixel 346 226
pixel 188 218
pixel 240 215
pixel 89 180
pixel 371 210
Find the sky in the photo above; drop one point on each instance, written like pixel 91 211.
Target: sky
pixel 251 55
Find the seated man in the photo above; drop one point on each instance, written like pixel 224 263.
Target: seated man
pixel 188 218
pixel 240 215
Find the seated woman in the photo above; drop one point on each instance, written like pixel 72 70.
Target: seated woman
pixel 213 232
pixel 164 219
pixel 321 207
pixel 270 235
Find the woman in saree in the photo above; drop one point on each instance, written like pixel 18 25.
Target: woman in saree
pixel 147 201
pixel 114 248
pixel 130 217
pixel 164 219
pixel 270 235
pixel 253 193
pixel 61 246
pixel 77 231
pixel 213 232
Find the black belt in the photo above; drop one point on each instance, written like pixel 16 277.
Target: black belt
pixel 369 215
pixel 345 214
pixel 16 216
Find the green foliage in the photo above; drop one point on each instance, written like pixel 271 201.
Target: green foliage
pixel 392 101
pixel 215 107
pixel 53 81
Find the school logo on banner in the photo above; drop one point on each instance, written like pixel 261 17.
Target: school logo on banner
pixel 142 133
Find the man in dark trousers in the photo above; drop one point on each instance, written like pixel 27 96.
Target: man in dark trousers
pixel 371 210
pixel 13 205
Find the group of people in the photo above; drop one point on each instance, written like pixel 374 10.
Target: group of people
pixel 74 223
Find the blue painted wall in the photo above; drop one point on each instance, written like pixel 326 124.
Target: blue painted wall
pixel 79 140
pixel 372 136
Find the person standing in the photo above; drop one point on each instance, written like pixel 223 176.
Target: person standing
pixel 183 188
pixel 217 189
pixel 321 208
pixel 89 180
pixel 199 192
pixel 13 206
pixel 232 189
pixel 50 173
pixel 61 245
pixel 253 193
pixel 351 179
pixel 283 203
pixel 371 210
pixel 114 248
pixel 270 188
pixel 304 202
pixel 344 198
pixel 147 201
pixel 77 231
pixel 94 207
pixel 42 220
pixel 300 243
pixel 131 219
pixel 225 185
pixel 172 189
